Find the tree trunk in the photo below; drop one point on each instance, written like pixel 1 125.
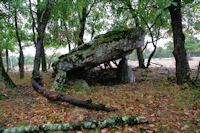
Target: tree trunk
pixel 44 63
pixel 110 122
pixel 140 58
pixel 68 41
pixel 182 66
pixel 155 47
pixel 63 98
pixel 42 20
pixel 36 68
pixel 21 64
pixel 82 23
pixel 93 31
pixel 139 50
pixel 198 73
pixel 151 55
pixel 21 55
pixel 69 44
pixel 7 60
pixel 3 75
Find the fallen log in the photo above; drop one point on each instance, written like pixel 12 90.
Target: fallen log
pixel 111 122
pixel 63 98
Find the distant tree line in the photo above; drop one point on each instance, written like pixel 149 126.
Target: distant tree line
pixel 192 46
pixel 28 60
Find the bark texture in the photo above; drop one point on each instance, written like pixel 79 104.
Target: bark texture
pixel 63 98
pixel 82 19
pixel 3 75
pixel 44 62
pixel 140 58
pixel 82 23
pixel 111 122
pixel 104 48
pixel 182 66
pixel 21 54
pixel 7 60
pixel 198 73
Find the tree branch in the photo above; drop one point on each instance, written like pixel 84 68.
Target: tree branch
pixel 90 9
pixel 63 98
pixel 33 22
pixel 150 42
pixel 43 16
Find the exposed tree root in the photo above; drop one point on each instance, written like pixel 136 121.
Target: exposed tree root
pixel 63 98
pixel 111 122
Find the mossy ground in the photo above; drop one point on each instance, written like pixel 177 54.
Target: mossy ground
pixel 168 107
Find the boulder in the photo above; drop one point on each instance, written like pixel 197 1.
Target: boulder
pixel 78 82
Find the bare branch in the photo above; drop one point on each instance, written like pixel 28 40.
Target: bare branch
pixel 90 9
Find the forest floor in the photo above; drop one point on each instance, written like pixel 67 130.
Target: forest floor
pixel 167 106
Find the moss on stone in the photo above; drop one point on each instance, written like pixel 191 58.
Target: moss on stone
pixel 108 123
pixel 101 39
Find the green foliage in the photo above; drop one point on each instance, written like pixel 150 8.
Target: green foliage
pixel 53 58
pixel 28 60
pixel 163 53
pixel 192 45
pixel 7 36
pixel 188 1
pixel 191 17
pixel 65 24
pixel 13 61
pixel 7 29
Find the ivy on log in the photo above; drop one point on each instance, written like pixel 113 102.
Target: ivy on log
pixel 111 122
pixel 63 98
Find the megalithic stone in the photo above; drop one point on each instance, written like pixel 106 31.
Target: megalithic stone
pixel 125 73
pixel 106 47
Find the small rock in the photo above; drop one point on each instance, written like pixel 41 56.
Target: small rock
pixel 79 82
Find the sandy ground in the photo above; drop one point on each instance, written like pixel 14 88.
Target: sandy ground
pixel 168 62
